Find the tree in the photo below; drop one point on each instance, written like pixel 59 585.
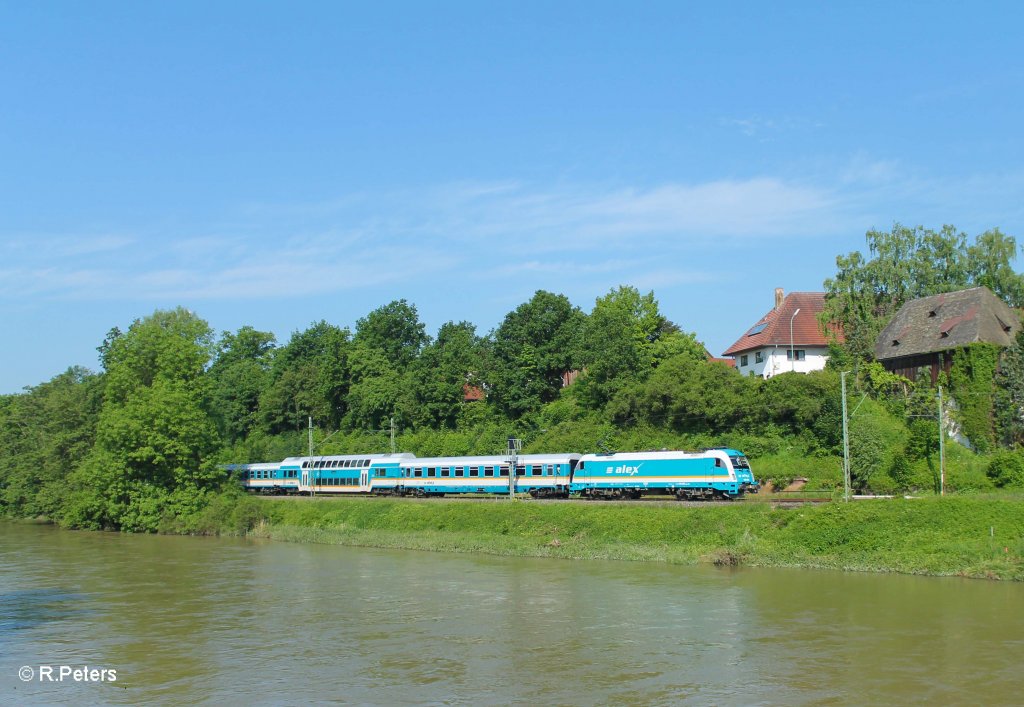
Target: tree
pixel 908 263
pixel 688 396
pixel 624 337
pixel 535 344
pixel 394 329
pixel 376 392
pixel 1009 395
pixel 155 437
pixel 239 375
pixel 44 434
pixel 309 377
pixel 438 378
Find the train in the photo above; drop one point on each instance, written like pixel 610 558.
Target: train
pixel 719 473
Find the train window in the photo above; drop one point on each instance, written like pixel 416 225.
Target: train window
pixel 536 470
pixel 504 471
pixel 474 471
pixel 488 471
pixel 580 465
pixel 718 462
pixel 446 471
pixel 419 472
pixel 520 470
pixel 460 471
pixel 431 471
pixel 305 464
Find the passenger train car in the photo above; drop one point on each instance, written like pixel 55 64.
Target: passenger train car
pixel 713 473
pixel 540 475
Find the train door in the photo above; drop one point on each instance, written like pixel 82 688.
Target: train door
pixel 364 480
pixel 305 479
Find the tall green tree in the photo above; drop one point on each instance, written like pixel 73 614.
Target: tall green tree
pixel 535 344
pixel 155 436
pixel 623 339
pixel 452 361
pixel 310 377
pixel 1009 395
pixel 45 433
pixel 239 375
pixel 378 390
pixel 396 330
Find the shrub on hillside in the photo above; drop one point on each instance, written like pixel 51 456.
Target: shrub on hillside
pixel 1006 469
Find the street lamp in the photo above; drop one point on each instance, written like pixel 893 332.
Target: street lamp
pixel 792 351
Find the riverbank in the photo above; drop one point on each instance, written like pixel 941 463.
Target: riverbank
pixel 980 537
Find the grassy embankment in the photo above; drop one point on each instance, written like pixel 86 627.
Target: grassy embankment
pixel 967 536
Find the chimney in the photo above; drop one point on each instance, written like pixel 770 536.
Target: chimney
pixel 778 297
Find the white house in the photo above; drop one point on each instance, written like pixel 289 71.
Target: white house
pixel 786 339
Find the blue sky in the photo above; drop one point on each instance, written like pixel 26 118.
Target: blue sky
pixel 274 164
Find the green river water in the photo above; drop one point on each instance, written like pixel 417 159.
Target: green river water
pixel 226 621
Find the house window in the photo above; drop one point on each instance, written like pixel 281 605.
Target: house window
pixel 743 360
pixel 800 354
pixel 759 357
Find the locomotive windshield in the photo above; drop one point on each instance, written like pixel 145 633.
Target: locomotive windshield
pixel 740 462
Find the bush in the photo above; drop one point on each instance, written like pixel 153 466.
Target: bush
pixel 1006 469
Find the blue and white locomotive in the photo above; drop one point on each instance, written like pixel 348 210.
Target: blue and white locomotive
pixel 713 473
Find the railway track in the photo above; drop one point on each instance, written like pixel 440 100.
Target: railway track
pixel 773 500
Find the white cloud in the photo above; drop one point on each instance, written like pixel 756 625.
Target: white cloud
pixel 578 237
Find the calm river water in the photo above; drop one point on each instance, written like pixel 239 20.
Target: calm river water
pixel 185 620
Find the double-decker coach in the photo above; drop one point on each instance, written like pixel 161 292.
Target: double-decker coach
pixel 347 473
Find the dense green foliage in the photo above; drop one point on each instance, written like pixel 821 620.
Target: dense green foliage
pixel 138 446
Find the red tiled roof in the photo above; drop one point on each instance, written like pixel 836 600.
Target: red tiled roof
pixel 775 331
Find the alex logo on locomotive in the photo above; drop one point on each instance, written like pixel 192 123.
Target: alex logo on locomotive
pixel 628 470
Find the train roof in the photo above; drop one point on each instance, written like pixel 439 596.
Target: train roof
pixel 492 459
pixel 256 465
pixel 342 457
pixel 650 454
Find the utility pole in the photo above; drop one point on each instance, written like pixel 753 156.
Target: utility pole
pixel 309 468
pixel 392 434
pixel 846 442
pixel 942 450
pixel 514 445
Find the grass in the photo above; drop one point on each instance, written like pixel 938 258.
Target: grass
pixel 965 536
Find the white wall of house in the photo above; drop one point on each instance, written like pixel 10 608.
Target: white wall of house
pixel 773 360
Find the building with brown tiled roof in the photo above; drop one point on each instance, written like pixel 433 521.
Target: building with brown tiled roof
pixel 787 338
pixel 926 332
